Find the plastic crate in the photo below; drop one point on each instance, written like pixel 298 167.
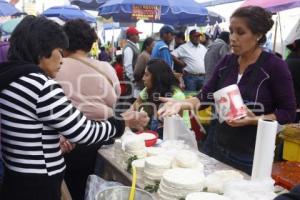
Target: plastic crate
pixel 291 150
pixel 291 145
pixel 286 174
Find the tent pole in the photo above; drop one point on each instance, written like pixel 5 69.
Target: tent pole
pixel 275 36
pixel 152 28
pixel 112 44
pixel 281 40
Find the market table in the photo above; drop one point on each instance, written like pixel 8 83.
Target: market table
pixel 108 168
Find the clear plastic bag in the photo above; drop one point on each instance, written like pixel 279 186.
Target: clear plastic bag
pixel 175 129
pixel 250 190
pixel 95 184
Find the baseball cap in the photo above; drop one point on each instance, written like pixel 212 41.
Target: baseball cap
pixel 166 29
pixel 195 33
pixel 132 31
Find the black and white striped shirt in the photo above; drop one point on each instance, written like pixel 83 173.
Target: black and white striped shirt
pixel 34 112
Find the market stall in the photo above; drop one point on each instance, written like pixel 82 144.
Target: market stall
pixel 172 165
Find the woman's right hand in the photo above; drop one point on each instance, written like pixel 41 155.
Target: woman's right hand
pixel 65 145
pixel 170 107
pixel 136 120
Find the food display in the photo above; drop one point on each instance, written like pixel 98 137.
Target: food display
pixel 177 183
pixel 174 171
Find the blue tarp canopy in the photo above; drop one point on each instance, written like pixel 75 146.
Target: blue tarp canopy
pixel 7 9
pixel 88 4
pixel 175 12
pixel 69 12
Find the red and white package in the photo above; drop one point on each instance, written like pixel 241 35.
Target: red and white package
pixel 229 103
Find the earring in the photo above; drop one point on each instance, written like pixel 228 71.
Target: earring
pixel 258 39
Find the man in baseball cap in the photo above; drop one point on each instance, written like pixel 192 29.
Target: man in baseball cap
pixel 130 55
pixel 132 31
pixel 190 56
pixel 161 48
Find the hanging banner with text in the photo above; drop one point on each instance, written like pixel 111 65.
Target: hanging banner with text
pixel 146 12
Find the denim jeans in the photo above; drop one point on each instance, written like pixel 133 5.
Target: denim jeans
pixel 155 125
pixel 193 82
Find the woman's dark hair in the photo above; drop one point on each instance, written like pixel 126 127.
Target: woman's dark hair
pixel 180 35
pixel 81 35
pixel 35 38
pixel 224 35
pixel 148 41
pixel 163 79
pixel 258 20
pixel 119 59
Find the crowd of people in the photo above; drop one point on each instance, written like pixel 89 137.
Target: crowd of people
pixel 58 105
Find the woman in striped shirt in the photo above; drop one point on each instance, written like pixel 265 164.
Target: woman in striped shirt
pixel 34 111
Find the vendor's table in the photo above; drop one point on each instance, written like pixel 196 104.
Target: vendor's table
pixel 109 169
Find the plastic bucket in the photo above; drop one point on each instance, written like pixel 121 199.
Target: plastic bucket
pixel 122 193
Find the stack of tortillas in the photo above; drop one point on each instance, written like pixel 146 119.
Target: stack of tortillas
pixel 178 182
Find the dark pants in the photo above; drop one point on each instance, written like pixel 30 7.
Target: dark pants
pixel 239 161
pixel 18 186
pixel 193 82
pixel 80 164
pixel 1 175
pixel 233 146
pixel 209 141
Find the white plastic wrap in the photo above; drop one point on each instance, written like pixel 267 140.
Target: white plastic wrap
pixel 95 184
pixel 216 181
pixel 250 190
pixel 175 129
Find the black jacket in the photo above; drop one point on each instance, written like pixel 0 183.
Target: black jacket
pixel 11 71
pixel 293 62
pixel 294 194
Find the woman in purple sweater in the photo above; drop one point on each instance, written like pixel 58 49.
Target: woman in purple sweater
pixel 264 81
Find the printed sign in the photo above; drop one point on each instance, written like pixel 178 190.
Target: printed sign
pixel 146 12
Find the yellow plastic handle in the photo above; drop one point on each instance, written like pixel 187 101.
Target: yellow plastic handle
pixel 132 191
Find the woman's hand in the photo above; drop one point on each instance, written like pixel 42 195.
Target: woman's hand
pixel 65 145
pixel 170 107
pixel 135 119
pixel 249 119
